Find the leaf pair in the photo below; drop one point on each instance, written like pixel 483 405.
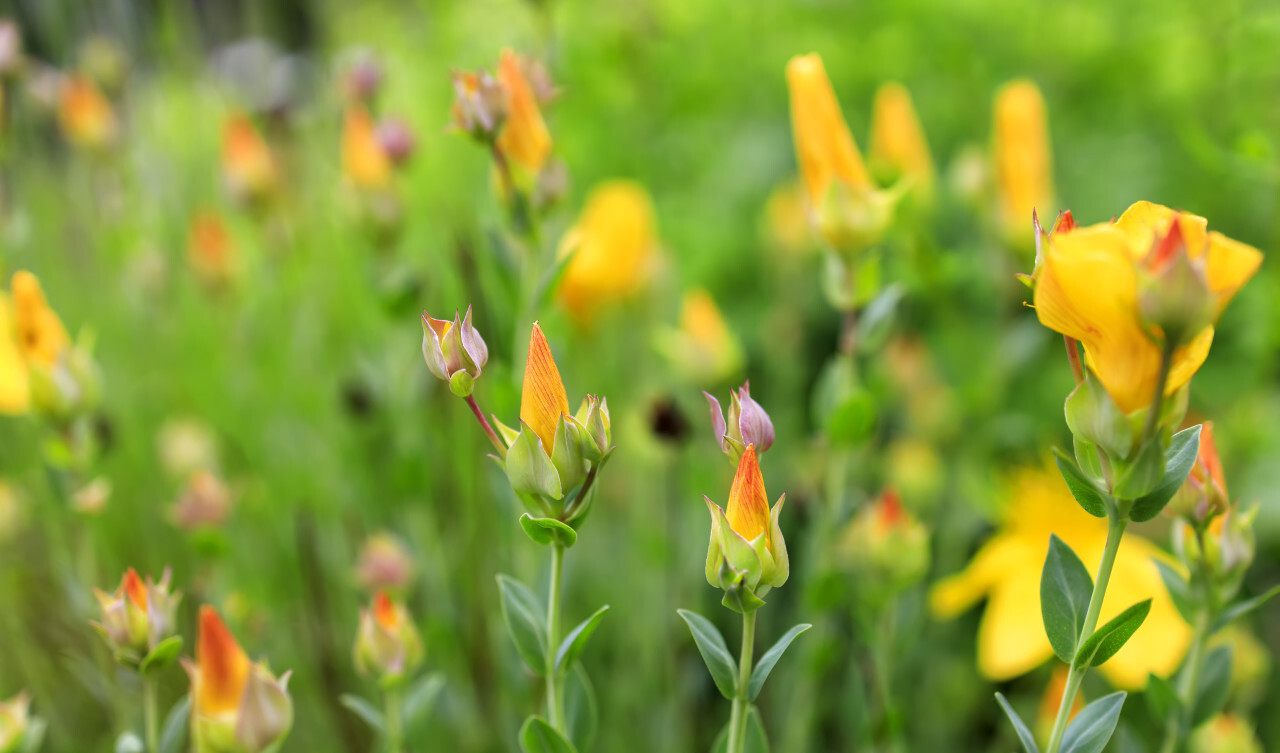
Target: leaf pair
pixel 1089 732
pixel 1156 489
pixel 724 671
pixel 1065 592
pixel 524 617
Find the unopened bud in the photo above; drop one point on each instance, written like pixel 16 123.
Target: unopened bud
pixel 387 644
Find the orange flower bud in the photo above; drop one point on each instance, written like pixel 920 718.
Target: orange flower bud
pixel 85 114
pixel 387 642
pixel 210 249
pixel 364 161
pixel 542 397
pixel 1023 161
pixel 138 617
pixel 748 507
pixel 898 145
pixel 524 138
pixel 825 148
pixel 248 168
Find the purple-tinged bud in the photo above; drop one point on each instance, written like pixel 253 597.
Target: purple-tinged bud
pixel 454 351
pixel 747 423
pixel 396 139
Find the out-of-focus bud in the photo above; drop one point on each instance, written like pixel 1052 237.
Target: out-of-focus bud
pixel 479 105
pixel 1204 494
pixel 1023 162
pixel 91 499
pixel 887 544
pixel 138 618
pixel 786 221
pixel 203 503
pixel 15 719
pixel 387 643
pixel 747 555
pixel 384 565
pixel 10 48
pixel 84 113
pixel 898 146
pixel 613 245
pixel 248 168
pixel 364 162
pixel 454 351
pixel 915 470
pixel 1229 545
pixel 1225 733
pixel 1174 298
pixel 396 138
pixel 186 446
pixel 237 706
pixel 969 175
pixel 702 348
pixel 105 61
pixel 524 139
pixel 1051 701
pixel 211 251
pixel 746 424
pixel 361 79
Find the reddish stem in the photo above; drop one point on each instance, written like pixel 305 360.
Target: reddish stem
pixel 484 423
pixel 1073 357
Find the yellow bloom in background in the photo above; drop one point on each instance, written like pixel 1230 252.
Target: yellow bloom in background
pixel 364 161
pixel 84 113
pixel 825 148
pixel 248 168
pixel 524 138
pixel 614 245
pixel 1087 287
pixel 542 396
pixel 15 388
pixel 786 224
pixel 37 330
pixel 1225 733
pixel 898 145
pixel 1023 159
pixel 1006 571
pixel 702 347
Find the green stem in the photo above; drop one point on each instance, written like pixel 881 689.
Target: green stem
pixel 395 727
pixel 738 721
pixel 1115 532
pixel 150 716
pixel 1157 400
pixel 1193 665
pixel 555 710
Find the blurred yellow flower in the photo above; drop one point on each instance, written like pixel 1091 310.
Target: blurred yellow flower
pixel 31 335
pixel 786 225
pixel 364 160
pixel 1006 571
pixel 542 397
pixel 84 113
pixel 1087 287
pixel 524 138
pixel 248 169
pixel 15 718
pixel 702 347
pixel 825 148
pixel 1225 733
pixel 1023 160
pixel 613 244
pixel 898 145
pixel 15 388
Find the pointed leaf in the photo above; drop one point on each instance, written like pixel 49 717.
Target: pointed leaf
pixel 770 658
pixel 1019 726
pixel 581 712
pixel 1215 683
pixel 1178 460
pixel 523 616
pixel 1162 698
pixel 1065 591
pixel 537 736
pixel 363 709
pixel 174 732
pixel 546 531
pixel 1093 726
pixel 1240 609
pixel 1082 488
pixel 162 655
pixel 755 741
pixel 576 640
pixel 715 652
pixel 1111 637
pixel 1178 588
pixel 421 697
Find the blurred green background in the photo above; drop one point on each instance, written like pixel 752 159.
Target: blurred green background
pixel 328 428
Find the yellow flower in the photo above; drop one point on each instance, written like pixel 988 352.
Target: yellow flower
pixel 542 397
pixel 15 388
pixel 613 246
pixel 702 348
pixel 15 720
pixel 524 138
pixel 248 168
pixel 825 148
pixel 364 161
pixel 85 114
pixel 1087 287
pixel 38 331
pixel 1023 163
pixel 1011 637
pixel 898 145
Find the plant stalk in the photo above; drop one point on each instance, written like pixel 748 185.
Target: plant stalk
pixel 150 715
pixel 488 429
pixel 555 710
pixel 1193 665
pixel 738 720
pixel 395 725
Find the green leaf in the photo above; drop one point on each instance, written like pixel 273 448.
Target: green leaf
pixel 1086 454
pixel 1092 727
pixel 1142 475
pixel 1178 460
pixel 129 742
pixel 1082 488
pixel 1162 698
pixel 1094 416
pixel 36 727
pixel 1178 588
pixel 1065 591
pixel 367 712
pixel 770 658
pixel 755 741
pixel 715 652
pixel 1215 682
pixel 537 736
pixel 875 322
pixel 576 640
pixel 174 732
pixel 545 531
pixel 421 697
pixel 1240 609
pixel 1111 637
pixel 162 655
pixel 1019 726
pixel 523 617
pixel 581 713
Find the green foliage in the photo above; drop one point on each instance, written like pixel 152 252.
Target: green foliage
pixel 715 652
pixel 576 640
pixel 1027 739
pixel 522 615
pixel 1215 683
pixel 537 736
pixel 1090 731
pixel 1111 637
pixel 1065 591
pixel 765 665
pixel 1178 460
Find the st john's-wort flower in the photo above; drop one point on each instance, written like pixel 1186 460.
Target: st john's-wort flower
pixel 524 138
pixel 1089 283
pixel 746 423
pixel 138 616
pixel 40 368
pixel 454 351
pixel 701 348
pixel 898 146
pixel 387 642
pixel 1023 161
pixel 613 247
pixel 237 706
pixel 747 554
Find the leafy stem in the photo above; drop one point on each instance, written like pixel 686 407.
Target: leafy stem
pixel 394 725
pixel 1193 665
pixel 738 719
pixel 555 711
pixel 150 713
pixel 488 429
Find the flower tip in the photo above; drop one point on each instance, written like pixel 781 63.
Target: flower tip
pixel 136 590
pixel 384 610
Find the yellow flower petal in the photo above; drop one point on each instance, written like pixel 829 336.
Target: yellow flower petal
pixel 897 139
pixel 14 382
pixel 1023 162
pixel 542 396
pixel 524 138
pixel 1145 222
pixel 615 241
pixel 223 667
pixel 1229 266
pixel 748 507
pixel 825 148
pixel 364 161
pixel 953 595
pixel 38 331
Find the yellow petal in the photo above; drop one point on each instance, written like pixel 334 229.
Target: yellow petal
pixel 364 161
pixel 524 138
pixel 955 594
pixel 14 382
pixel 825 149
pixel 615 242
pixel 1145 222
pixel 1023 163
pixel 897 140
pixel 748 507
pixel 542 396
pixel 223 666
pixel 38 331
pixel 1011 638
pixel 1229 266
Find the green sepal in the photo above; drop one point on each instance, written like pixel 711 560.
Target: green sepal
pixel 529 468
pixel 162 655
pixel 1179 459
pixel 1083 489
pixel 1086 453
pixel 1065 591
pixel 566 454
pixel 1111 637
pixel 1093 416
pixel 741 599
pixel 546 531
pixel 507 433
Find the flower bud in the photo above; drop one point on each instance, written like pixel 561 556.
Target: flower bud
pixel 15 719
pixel 248 167
pixel 211 251
pixel 364 162
pixel 85 114
pixel 524 139
pixel 886 544
pixel 396 138
pixel 362 78
pixel 387 643
pixel 747 423
pixel 593 420
pixel 237 706
pixel 1174 298
pixel 1204 494
pixel 1023 169
pixel 454 351
pixel 747 554
pixel 204 502
pixel 898 146
pixel 384 564
pixel 1225 733
pixel 1229 545
pixel 702 348
pixel 137 617
pixel 479 105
